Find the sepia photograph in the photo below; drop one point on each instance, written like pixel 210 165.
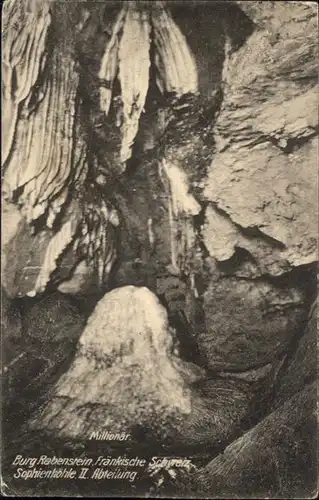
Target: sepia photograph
pixel 159 249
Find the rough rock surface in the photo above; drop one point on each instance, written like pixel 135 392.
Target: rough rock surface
pixel 260 231
pixel 263 461
pixel 42 337
pixel 301 366
pixel 248 322
pixel 24 257
pixel 263 175
pixel 11 328
pixel 10 218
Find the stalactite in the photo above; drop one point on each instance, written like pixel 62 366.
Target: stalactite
pixel 182 206
pixel 45 160
pixel 109 63
pixel 96 241
pixel 127 58
pixel 47 172
pixel 181 199
pixel 56 247
pixel 193 285
pixel 176 65
pixel 41 162
pixel 134 68
pixel 24 55
pixel 151 237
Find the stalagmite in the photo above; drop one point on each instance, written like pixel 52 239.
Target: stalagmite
pixel 123 372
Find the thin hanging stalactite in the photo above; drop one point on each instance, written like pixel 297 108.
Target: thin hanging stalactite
pixel 134 66
pixel 182 207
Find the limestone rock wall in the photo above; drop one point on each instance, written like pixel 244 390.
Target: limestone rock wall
pixel 262 185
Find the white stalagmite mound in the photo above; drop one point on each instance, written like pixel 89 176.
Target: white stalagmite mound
pixel 124 373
